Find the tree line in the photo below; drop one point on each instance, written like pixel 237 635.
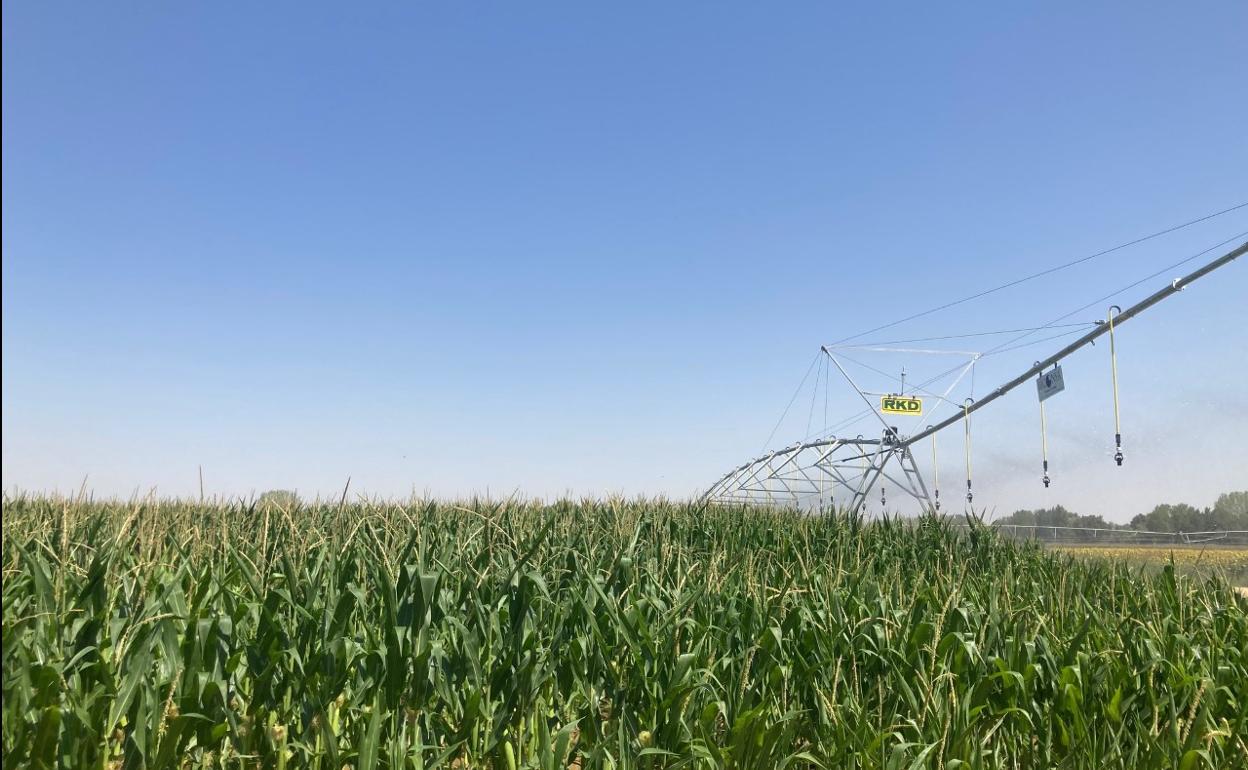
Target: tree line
pixel 1230 511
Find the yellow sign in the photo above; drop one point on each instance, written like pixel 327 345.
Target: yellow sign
pixel 901 405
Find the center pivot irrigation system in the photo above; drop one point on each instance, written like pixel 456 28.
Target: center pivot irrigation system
pixel 841 471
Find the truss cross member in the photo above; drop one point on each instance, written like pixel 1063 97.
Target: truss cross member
pixel 909 481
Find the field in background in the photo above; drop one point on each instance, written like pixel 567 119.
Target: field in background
pixel 597 634
pixel 1208 560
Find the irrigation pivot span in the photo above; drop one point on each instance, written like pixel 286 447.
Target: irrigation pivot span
pixel 841 472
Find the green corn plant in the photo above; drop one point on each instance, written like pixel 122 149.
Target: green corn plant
pixel 595 633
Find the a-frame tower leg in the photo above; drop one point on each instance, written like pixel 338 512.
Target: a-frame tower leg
pixel 911 479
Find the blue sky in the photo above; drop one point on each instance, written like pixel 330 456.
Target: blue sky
pixel 562 248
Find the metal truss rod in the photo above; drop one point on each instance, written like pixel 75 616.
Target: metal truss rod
pixel 1174 288
pixel 833 442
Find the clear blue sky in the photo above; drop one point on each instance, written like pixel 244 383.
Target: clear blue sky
pixel 553 248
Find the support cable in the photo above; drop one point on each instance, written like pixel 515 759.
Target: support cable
pixel 785 413
pixel 814 395
pixel 1099 328
pixel 972 334
pixel 1175 286
pixel 1009 344
pixel 920 388
pixel 865 412
pixel 1045 272
pixel 1036 342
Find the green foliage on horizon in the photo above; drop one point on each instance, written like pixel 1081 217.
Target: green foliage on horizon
pixel 1229 512
pixel 1057 516
pixel 640 634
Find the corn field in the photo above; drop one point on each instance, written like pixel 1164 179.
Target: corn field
pixel 617 634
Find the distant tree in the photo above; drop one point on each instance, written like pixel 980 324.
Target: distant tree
pixel 1177 517
pixel 1095 521
pixel 280 498
pixel 1023 518
pixel 1231 510
pixel 1057 516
